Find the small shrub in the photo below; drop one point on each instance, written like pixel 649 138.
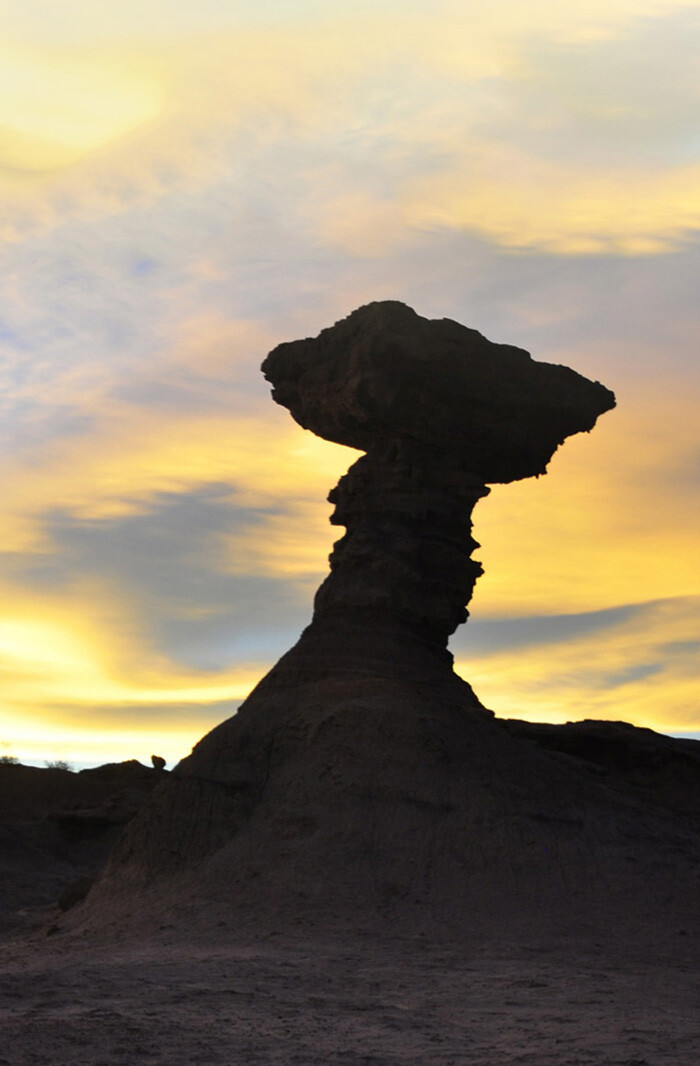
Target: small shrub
pixel 58 764
pixel 9 760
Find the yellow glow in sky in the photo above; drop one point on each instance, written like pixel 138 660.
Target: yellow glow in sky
pixel 55 109
pixel 322 77
pixel 606 526
pixel 525 203
pixel 630 671
pixel 57 669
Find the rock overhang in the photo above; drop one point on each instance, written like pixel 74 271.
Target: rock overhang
pixel 386 373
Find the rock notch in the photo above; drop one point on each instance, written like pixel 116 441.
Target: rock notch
pixel 362 777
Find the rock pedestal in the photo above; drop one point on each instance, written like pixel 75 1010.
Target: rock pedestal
pixel 405 559
pixel 362 775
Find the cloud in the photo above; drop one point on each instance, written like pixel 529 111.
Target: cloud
pixel 557 208
pixel 491 636
pixel 578 145
pixel 405 122
pixel 638 664
pixel 124 480
pixel 133 567
pixel 176 565
pixel 81 665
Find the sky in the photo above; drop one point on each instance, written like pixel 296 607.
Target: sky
pixel 182 187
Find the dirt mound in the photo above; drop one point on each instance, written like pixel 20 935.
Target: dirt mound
pixel 386 804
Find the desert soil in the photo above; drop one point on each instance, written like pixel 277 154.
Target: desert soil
pixel 276 1000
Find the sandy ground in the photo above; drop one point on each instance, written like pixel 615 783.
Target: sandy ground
pixel 276 1001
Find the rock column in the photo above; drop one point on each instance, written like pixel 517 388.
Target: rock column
pixel 406 557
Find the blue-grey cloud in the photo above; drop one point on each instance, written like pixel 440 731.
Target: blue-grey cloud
pixel 496 635
pixel 169 561
pixel 199 717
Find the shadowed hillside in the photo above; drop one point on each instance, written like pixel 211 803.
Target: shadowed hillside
pixel 56 830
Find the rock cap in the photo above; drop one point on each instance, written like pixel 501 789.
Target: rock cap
pixel 385 372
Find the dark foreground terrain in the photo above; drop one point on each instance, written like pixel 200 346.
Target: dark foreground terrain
pixel 197 983
pixel 56 831
pixel 227 1000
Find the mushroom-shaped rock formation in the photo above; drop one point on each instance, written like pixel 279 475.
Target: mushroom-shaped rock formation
pixel 362 774
pixel 440 412
pixel 385 374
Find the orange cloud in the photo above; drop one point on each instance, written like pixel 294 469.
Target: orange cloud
pixel 136 455
pixel 86 645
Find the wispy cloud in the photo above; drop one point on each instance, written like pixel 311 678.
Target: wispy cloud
pixel 639 665
pixel 496 105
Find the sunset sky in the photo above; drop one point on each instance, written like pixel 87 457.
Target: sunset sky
pixel 183 186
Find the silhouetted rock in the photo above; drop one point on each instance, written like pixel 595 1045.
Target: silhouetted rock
pixel 661 770
pixel 440 411
pixel 56 830
pixel 385 373
pixel 362 778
